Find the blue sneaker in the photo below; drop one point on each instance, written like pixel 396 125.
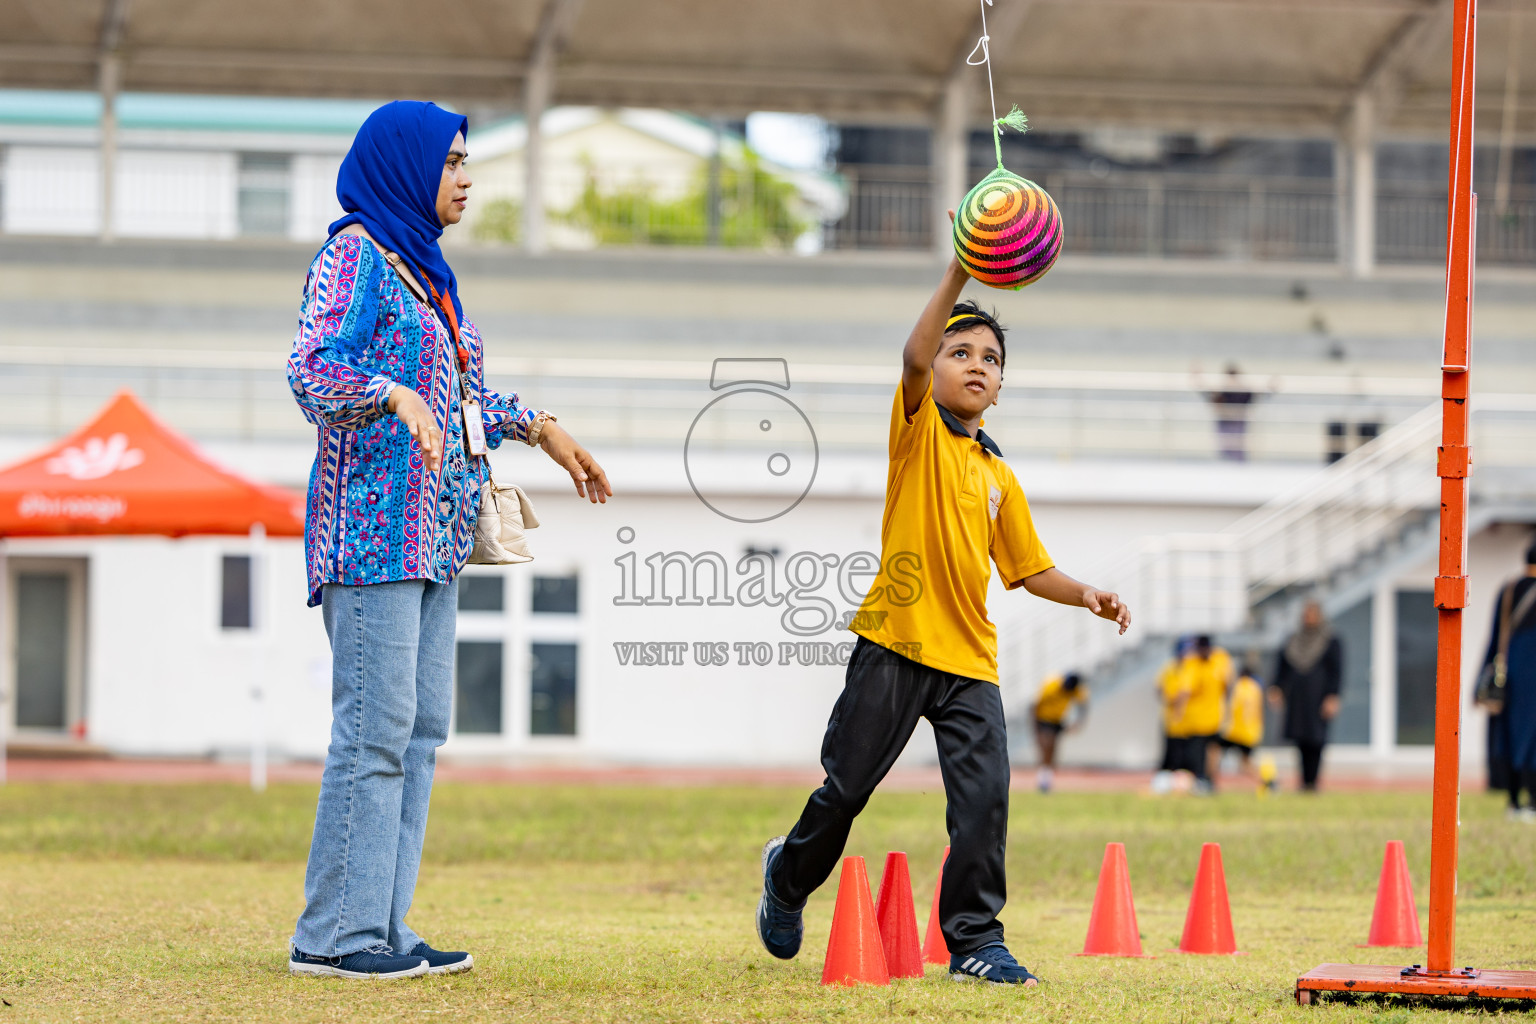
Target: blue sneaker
pixel 377 962
pixel 439 962
pixel 990 963
pixel 779 927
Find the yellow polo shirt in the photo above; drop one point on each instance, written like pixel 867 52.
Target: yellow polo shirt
pixel 1207 693
pixel 950 504
pixel 1247 723
pixel 1055 700
pixel 1173 682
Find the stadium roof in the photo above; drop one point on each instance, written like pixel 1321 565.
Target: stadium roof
pixel 1230 65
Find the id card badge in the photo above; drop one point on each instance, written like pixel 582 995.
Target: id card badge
pixel 474 429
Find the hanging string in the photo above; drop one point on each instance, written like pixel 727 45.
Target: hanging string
pixel 1015 118
pixel 986 56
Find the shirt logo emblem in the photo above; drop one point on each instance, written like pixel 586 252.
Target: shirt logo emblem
pixel 994 499
pixel 96 459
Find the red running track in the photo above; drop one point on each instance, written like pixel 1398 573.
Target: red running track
pixel 152 771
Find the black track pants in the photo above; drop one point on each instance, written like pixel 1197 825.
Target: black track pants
pixel 884 696
pixel 1311 763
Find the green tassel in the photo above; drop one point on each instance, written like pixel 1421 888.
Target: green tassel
pixel 1014 119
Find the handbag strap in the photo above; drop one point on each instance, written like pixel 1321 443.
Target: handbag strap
pixel 393 259
pixel 446 308
pixel 1506 620
pixel 1506 602
pixel 1511 619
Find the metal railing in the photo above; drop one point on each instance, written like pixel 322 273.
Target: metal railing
pixel 678 203
pixel 1307 535
pixel 1210 583
pixel 738 204
pixel 1197 216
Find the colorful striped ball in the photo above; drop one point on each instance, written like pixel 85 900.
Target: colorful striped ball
pixel 1007 231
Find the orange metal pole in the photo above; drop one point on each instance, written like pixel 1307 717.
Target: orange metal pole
pixel 1455 465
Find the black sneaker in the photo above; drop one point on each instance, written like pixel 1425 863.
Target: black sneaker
pixel 378 962
pixel 779 927
pixel 990 963
pixel 439 962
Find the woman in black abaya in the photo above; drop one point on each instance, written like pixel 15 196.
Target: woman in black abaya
pixel 1308 681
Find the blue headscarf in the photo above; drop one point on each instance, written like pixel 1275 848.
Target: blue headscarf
pixel 389 180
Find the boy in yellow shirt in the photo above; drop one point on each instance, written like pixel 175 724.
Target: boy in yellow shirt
pixel 1173 696
pixel 1245 722
pixel 927 649
pixel 1208 670
pixel 1058 696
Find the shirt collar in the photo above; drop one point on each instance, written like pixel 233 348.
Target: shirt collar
pixel 956 427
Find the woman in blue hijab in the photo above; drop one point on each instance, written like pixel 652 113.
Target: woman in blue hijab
pixel 391 373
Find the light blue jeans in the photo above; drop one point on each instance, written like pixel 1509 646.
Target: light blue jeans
pixel 391 689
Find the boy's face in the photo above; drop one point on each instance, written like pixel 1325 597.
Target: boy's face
pixel 968 371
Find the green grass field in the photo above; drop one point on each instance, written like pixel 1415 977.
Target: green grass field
pixel 174 903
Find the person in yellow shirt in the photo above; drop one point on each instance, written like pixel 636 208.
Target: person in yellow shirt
pixel 926 647
pixel 1245 720
pixel 1208 673
pixel 1060 698
pixel 1173 695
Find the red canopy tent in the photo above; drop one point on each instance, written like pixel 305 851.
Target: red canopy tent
pixel 125 472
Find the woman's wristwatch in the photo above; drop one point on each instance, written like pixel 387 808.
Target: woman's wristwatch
pixel 537 429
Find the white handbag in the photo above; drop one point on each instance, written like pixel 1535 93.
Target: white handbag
pixel 505 512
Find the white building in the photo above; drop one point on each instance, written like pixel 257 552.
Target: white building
pixel 617 644
pixel 186 167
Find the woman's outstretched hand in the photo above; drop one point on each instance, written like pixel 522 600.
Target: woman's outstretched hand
pixel 590 480
pixel 411 410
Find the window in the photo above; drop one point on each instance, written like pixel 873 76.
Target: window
pixel 1418 626
pixel 481 593
pixel 477 687
pixel 555 594
pixel 553 703
pixel 266 180
pixel 235 587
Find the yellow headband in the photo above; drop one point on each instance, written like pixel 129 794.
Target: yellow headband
pixel 956 319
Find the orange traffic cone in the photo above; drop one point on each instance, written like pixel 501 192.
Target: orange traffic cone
pixel 1396 920
pixel 898 920
pixel 854 955
pixel 935 949
pixel 1112 927
pixel 1208 925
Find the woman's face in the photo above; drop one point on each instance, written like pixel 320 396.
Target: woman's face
pixel 452 190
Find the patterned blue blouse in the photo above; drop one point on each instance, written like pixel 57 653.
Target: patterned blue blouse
pixel 374 514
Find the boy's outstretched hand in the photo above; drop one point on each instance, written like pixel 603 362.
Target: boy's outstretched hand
pixel 1055 585
pixel 1108 606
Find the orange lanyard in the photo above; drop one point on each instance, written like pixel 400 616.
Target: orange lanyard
pixel 453 324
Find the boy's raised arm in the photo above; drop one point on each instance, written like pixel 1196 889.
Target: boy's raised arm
pixel 927 335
